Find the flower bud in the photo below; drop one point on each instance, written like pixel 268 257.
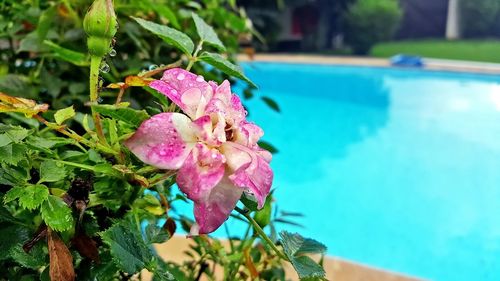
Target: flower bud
pixel 101 25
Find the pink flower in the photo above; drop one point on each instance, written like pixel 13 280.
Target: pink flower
pixel 213 147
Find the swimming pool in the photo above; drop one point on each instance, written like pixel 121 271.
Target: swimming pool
pixel 397 169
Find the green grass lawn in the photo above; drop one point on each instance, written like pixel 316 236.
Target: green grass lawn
pixel 473 50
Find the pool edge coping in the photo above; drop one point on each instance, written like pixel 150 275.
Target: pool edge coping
pixel 429 64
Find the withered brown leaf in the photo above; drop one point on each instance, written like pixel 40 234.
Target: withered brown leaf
pixel 61 261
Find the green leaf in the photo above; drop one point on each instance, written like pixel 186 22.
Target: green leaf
pixel 74 57
pixel 56 213
pixel 249 203
pixel 6 216
pixel 45 21
pixel 12 153
pixel 33 196
pixel 167 13
pixel 156 234
pixel 225 66
pixel 267 146
pixel 162 99
pixel 35 259
pixel 64 114
pixel 169 35
pixel 10 134
pixel 51 171
pixel 13 237
pixel 127 247
pixel 207 33
pixel 263 216
pixel 13 194
pixel 11 175
pixel 296 247
pixel 125 114
pixel 271 103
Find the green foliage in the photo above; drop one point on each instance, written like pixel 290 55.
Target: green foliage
pixel 51 171
pixel 66 170
pixel 64 114
pixel 128 249
pixel 296 248
pixel 125 114
pixel 56 213
pixel 169 35
pixel 207 33
pixel 479 17
pixel 225 66
pixel 371 21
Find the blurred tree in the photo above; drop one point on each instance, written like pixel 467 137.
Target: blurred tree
pixel 478 17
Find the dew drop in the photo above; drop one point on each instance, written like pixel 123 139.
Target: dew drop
pixel 153 67
pixel 181 76
pixel 112 52
pixel 104 68
pixel 200 78
pixel 99 100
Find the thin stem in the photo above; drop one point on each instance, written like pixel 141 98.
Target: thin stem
pixel 119 97
pixel 95 63
pixel 194 58
pixel 74 136
pixel 161 69
pixel 165 176
pixel 261 233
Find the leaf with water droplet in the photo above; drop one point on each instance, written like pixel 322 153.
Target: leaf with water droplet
pixel 51 171
pixel 112 52
pixel 207 33
pixel 169 35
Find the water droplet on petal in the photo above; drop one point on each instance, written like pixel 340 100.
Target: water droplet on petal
pixel 153 67
pixel 200 78
pixel 104 68
pixel 181 76
pixel 112 53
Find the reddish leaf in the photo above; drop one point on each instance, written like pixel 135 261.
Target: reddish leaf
pixel 86 246
pixel 61 261
pixel 170 226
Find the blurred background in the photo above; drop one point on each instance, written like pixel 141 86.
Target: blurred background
pixel 453 29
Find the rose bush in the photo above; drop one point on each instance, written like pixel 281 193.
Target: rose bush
pixel 86 181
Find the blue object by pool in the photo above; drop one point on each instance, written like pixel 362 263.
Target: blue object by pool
pixel 407 60
pixel 396 169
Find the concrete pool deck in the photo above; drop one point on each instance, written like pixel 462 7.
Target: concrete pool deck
pixel 429 63
pixel 336 269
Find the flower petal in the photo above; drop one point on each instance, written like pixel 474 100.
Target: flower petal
pixel 201 171
pixel 210 129
pixel 250 170
pixel 163 141
pixel 214 210
pixel 248 134
pixel 189 91
pixel 227 103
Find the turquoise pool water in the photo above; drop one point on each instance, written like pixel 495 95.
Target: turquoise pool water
pixel 396 169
